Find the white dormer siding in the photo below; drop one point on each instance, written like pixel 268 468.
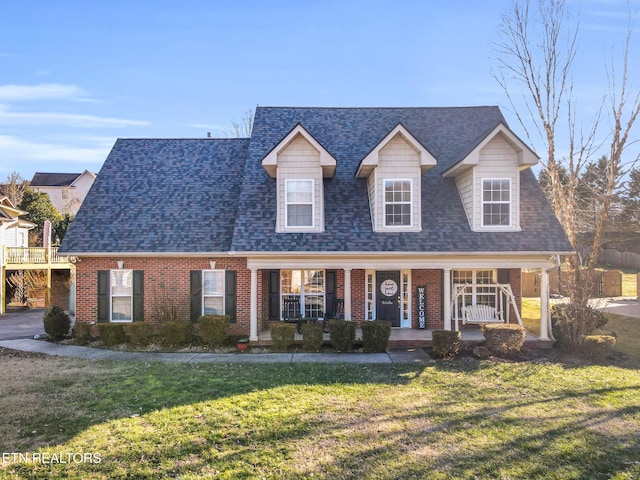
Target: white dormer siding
pixel 393 171
pixel 497 165
pixel 299 164
pixel 299 161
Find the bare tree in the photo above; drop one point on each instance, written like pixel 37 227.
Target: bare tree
pixel 536 52
pixel 242 128
pixel 14 188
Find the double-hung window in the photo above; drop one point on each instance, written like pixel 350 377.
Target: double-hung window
pixel 299 203
pixel 121 295
pixel 496 202
pixel 397 203
pixel 213 292
pixel 308 286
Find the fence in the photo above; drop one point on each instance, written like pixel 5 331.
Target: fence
pixel 619 259
pixel 606 283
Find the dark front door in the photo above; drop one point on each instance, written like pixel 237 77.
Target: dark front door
pixel 388 296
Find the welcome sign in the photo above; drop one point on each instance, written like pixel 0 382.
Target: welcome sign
pixel 421 294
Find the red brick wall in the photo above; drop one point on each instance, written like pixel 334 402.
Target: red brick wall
pixel 165 280
pixel 432 280
pixel 515 279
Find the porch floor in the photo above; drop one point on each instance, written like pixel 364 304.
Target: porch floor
pixel 412 338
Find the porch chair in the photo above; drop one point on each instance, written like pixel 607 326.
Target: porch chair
pixel 291 311
pixel 337 313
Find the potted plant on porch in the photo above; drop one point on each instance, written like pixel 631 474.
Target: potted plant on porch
pixel 243 344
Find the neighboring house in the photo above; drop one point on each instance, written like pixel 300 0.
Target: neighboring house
pixel 67 191
pixel 14 232
pixel 404 214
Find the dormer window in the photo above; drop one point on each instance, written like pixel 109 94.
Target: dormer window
pixel 397 203
pixel 299 199
pixel 496 202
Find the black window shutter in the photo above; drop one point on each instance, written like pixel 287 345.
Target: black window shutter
pixel 195 290
pixel 103 296
pixel 138 296
pixel 503 275
pixel 230 294
pixel 274 295
pixel 330 291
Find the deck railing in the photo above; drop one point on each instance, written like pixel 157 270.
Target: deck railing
pixel 33 255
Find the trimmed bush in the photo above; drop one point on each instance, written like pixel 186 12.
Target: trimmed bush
pixel 112 334
pixel 56 323
pixel 445 343
pixel 139 333
pixel 214 329
pixel 312 337
pixel 504 338
pixel 342 334
pixel 597 347
pixel 282 336
pixel 176 333
pixel 82 332
pixel 375 336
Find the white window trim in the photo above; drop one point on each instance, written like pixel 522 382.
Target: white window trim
pixel 484 202
pixel 302 293
pixel 474 281
pixel 203 296
pixel 384 204
pixel 313 205
pixel 112 296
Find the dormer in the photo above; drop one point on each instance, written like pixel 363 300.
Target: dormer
pixel 488 180
pixel 299 164
pixel 393 170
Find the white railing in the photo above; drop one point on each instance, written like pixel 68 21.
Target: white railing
pixel 33 255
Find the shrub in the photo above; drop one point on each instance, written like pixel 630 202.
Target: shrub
pixel 504 339
pixel 82 332
pixel 282 336
pixel 176 333
pixel 312 337
pixel 570 323
pixel 139 333
pixel 56 323
pixel 342 334
pixel 375 335
pixel 445 343
pixel 597 347
pixel 112 334
pixel 214 329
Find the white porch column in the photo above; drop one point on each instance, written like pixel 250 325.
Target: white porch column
pixel 446 298
pixel 347 294
pixel 545 314
pixel 253 319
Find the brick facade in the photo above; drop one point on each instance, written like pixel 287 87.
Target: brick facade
pixel 166 282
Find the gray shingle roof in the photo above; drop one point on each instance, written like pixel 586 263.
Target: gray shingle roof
pixel 41 179
pixel 181 195
pixel 162 196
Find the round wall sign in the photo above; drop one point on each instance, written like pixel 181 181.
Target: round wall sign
pixel 388 288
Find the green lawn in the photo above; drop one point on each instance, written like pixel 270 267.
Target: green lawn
pixel 447 419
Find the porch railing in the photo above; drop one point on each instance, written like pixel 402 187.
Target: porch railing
pixel 33 255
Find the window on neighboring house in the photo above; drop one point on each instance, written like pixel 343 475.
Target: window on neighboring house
pixel 65 193
pixel 121 295
pixel 299 202
pixel 397 203
pixel 308 286
pixel 213 292
pixel 496 202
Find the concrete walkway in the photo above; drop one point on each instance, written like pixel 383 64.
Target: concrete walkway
pixel 416 355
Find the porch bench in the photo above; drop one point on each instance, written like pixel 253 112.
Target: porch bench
pixel 481 314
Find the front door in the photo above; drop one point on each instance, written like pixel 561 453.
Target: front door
pixel 388 296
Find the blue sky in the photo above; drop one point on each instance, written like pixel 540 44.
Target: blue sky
pixel 76 75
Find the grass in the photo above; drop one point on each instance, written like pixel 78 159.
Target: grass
pixel 448 419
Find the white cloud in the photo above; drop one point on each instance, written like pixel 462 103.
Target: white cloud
pixel 41 92
pixel 8 117
pixel 14 150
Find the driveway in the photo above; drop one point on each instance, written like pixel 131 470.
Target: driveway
pixel 21 324
pixel 629 307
